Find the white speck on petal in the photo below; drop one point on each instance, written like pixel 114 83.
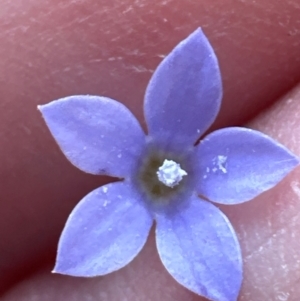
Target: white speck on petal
pixel 105 203
pixel 104 189
pixel 220 162
pixel 170 173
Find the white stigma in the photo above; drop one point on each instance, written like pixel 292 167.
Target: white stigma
pixel 170 173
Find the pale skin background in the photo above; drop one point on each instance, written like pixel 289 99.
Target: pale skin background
pixel 54 48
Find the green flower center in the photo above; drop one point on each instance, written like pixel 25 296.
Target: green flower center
pixel 158 183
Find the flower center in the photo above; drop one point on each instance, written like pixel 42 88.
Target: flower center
pixel 170 173
pixel 162 175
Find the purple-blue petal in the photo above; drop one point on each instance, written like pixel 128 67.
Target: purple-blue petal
pixel 235 165
pixel 184 94
pixel 105 231
pixel 97 134
pixel 199 248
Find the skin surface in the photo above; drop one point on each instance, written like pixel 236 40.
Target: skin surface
pixel 50 49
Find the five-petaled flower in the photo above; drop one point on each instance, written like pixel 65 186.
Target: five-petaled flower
pixel 165 176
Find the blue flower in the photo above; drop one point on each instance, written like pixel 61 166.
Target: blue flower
pixel 164 176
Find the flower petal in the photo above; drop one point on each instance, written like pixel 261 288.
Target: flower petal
pixel 105 232
pixel 237 164
pixel 184 94
pixel 199 248
pixel 97 134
